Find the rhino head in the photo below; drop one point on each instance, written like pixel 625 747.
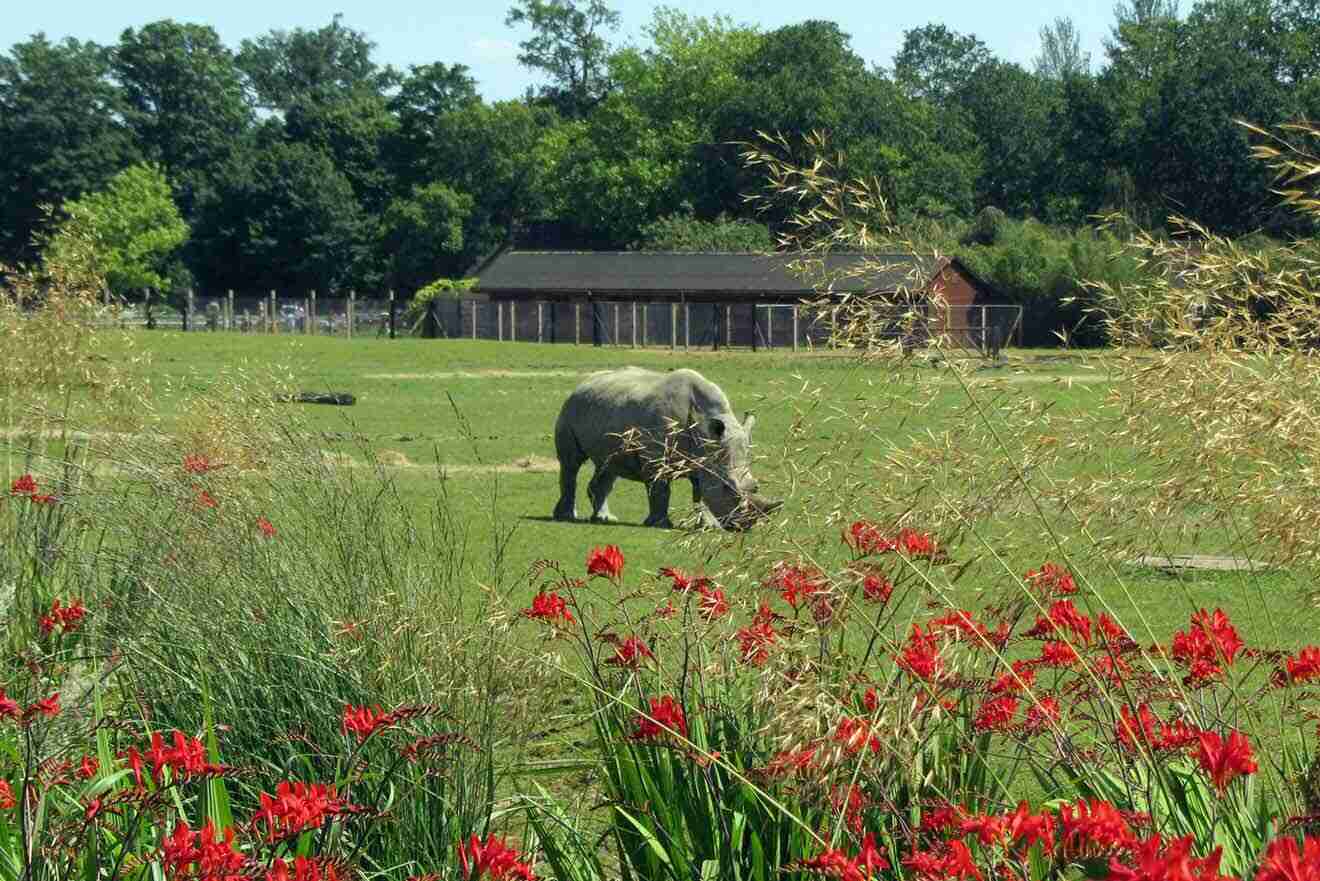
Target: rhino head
pixel 724 477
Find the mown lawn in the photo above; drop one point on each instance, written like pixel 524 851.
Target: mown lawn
pixel 472 421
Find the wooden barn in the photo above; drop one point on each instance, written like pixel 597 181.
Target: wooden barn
pixel 705 299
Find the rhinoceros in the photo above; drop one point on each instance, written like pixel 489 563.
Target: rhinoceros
pixel 652 427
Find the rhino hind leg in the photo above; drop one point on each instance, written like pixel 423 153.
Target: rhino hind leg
pixel 570 462
pixel 657 494
pixel 599 493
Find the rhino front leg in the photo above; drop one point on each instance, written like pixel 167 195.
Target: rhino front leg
pixel 599 493
pixel 657 493
pixel 570 462
pixel 703 513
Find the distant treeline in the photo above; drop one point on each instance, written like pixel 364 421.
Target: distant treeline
pixel 297 161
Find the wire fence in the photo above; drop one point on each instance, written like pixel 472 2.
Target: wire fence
pixel 627 323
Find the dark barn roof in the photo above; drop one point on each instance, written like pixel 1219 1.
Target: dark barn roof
pixel 672 274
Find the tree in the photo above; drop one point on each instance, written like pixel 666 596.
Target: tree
pixel 184 99
pixel 422 235
pixel 683 232
pixel 355 132
pixel 567 46
pixel 324 66
pixel 935 62
pixel 1061 54
pixel 425 95
pixel 60 130
pixel 134 224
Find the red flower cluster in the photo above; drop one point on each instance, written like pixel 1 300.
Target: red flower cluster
pixel 195 463
pixel 201 854
pixel 666 715
pixel 47 706
pixel 297 807
pixel 921 655
pixel 186 757
pixel 1041 715
pixel 682 581
pixel 550 608
pixel 866 538
pixel 206 500
pixel 876 588
pixel 305 869
pixel 754 640
pixel 88 767
pixel 1051 578
pixel 1063 615
pixel 1211 640
pixel 1057 654
pixel 26 487
pixel 1304 667
pixel 996 714
pixel 606 561
pixel 1020 677
pixel 629 653
pixel 834 863
pixel 1284 862
pixel 1154 862
pixel 365 721
pixel 493 858
pixel 856 734
pixel 713 604
pixel 7 800
pixel 1143 727
pixel 67 618
pixel 1225 760
pixel 266 528
pixel 951 860
pixel 796 583
pixel 1093 828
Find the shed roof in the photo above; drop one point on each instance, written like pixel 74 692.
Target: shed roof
pixel 692 273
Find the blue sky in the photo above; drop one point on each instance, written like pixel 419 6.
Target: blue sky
pixel 473 32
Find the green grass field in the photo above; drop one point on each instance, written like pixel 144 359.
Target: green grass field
pixel 474 420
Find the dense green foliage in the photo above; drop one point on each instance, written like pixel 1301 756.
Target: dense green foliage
pixel 298 161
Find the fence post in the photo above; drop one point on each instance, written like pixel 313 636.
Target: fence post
pixel 270 313
pixel 687 325
pixel 392 313
pixel 644 323
pixel 577 324
pixel 540 321
pixel 474 304
pixel 229 310
pixel 311 314
pixel 616 324
pixel 633 316
pixel 188 313
pixel 352 302
pixel 673 326
pixel 795 327
pixel 513 321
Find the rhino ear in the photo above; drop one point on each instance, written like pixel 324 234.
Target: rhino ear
pixel 748 421
pixel 717 428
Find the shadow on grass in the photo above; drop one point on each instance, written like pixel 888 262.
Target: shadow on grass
pixel 582 521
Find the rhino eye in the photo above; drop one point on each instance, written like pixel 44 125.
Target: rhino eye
pixel 717 428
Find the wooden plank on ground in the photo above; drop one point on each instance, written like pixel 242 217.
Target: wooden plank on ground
pixel 1203 562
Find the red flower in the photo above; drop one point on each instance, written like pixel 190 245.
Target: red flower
pixel 1058 654
pixel 38 499
pixel 629 653
pixel 1021 676
pixel 7 800
pixel 682 581
pixel 754 640
pixel 48 707
pixel 866 538
pixel 1302 668
pixel 492 857
pixel 834 863
pixel 996 714
pixel 88 767
pixel 1176 863
pixel 1063 614
pixel 550 608
pixel 1025 828
pixel 23 486
pixel 1225 760
pixel 365 721
pixel 1095 828
pixel 1051 578
pixel 788 762
pixel 876 588
pixel 9 708
pixel 297 807
pixel 134 759
pixel 265 527
pixel 666 716
pixel 1211 640
pixel 186 757
pixel 712 604
pixel 304 869
pixel 957 624
pixel 92 810
pixel 197 464
pixel 201 854
pixel 1143 727
pixel 921 656
pixel 952 861
pixel 1111 631
pixel 67 617
pixel 796 583
pixel 1284 862
pixel 854 734
pixel 607 561
pixel 1042 715
pixel 206 500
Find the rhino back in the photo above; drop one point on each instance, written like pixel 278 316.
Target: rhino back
pixel 611 402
